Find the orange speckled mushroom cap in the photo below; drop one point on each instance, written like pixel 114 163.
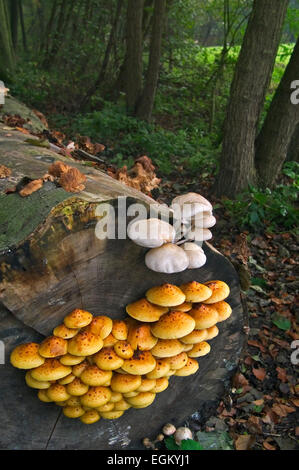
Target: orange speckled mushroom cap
pixel 140 364
pixel 220 291
pixel 200 349
pixel 63 332
pixel 121 405
pixel 140 337
pixel 125 383
pixel 146 385
pixel 143 310
pixel 109 341
pixel 111 414
pixel 26 356
pixel 196 292
pixel 35 383
pixel 161 369
pixel 173 325
pixel 205 316
pixel 190 368
pixel 79 368
pixel 78 319
pixel 120 330
pixel 167 348
pixel 76 388
pixel 90 417
pixel 178 361
pixel 100 326
pixel 166 295
pixel 142 399
pixel 42 396
pixel 196 336
pixel 53 346
pixel 161 385
pixel 57 392
pixel 73 411
pixel 51 369
pixel 84 343
pixel 96 396
pixel 224 310
pixel 70 360
pixel 212 332
pixel 107 359
pixel 94 376
pixel 184 307
pixel 123 349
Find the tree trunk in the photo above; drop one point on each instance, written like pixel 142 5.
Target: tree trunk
pixel 23 27
pixel 50 263
pixel 133 61
pixel 7 56
pixel 14 22
pixel 293 150
pixel 145 105
pixel 279 126
pixel 251 79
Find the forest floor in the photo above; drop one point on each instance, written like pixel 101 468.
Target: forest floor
pixel 260 409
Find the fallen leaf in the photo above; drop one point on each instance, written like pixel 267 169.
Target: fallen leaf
pixel 281 374
pixel 254 425
pixel 4 171
pixel 260 373
pixel 31 187
pixel 244 442
pixel 256 344
pixel 282 410
pixel 72 180
pixel 239 380
pixel 268 446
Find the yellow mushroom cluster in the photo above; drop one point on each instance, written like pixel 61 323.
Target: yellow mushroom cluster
pixel 96 367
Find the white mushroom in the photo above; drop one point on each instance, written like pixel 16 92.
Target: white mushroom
pixel 199 234
pixel 151 233
pixel 169 429
pixel 196 255
pixel 203 220
pixel 182 434
pixel 168 258
pixel 189 204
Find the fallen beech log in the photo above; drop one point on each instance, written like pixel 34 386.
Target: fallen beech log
pixel 52 262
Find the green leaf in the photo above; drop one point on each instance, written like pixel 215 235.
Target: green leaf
pixel 171 444
pixel 258 281
pixel 281 322
pixel 215 440
pixel 190 444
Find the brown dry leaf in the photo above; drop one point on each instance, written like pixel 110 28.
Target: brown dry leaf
pixel 239 380
pixel 260 373
pixel 282 410
pixel 31 187
pixel 268 446
pixel 295 402
pixel 23 130
pixel 57 168
pixel 254 425
pixel 72 180
pixel 244 442
pixel 282 374
pixel 41 117
pixel 4 171
pixel 259 402
pixel 270 417
pixel 256 344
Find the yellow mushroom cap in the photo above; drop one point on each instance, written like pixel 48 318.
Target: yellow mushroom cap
pixel 205 316
pixel 140 337
pixel 109 341
pixel 146 384
pixel 190 368
pixel 178 361
pixel 196 336
pixel 31 382
pixel 94 376
pixel 73 401
pixel 76 387
pixel 100 326
pixel 70 360
pixel 184 307
pixel 224 310
pixel 167 348
pixel 166 295
pixel 111 414
pixel 78 319
pixel 107 359
pixel 51 369
pixel 200 349
pixel 212 332
pixel 220 291
pixel 57 392
pixel 79 368
pixel 196 292
pixel 173 325
pixel 161 385
pixel 130 394
pixel 123 349
pixel 120 330
pixel 90 417
pixel 63 332
pixel 96 396
pixel 53 346
pixel 140 364
pixel 107 407
pixel 125 383
pixel 143 399
pixel 26 356
pixel 143 310
pixel 115 396
pixel 121 405
pixel 85 343
pixel 187 347
pixel 161 370
pixel 42 396
pixel 73 411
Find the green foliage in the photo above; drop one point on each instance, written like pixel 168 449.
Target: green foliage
pixel 215 440
pixel 280 321
pixel 187 444
pixel 275 208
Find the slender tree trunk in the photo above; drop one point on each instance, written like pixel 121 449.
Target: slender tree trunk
pixel 279 125
pixel 133 61
pixel 146 103
pixel 23 27
pixel 251 80
pixel 7 57
pixel 14 22
pixel 293 150
pixel 47 37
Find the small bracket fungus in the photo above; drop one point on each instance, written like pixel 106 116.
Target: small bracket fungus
pixel 168 258
pixel 151 233
pixel 196 255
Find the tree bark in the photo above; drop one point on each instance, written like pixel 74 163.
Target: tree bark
pixel 133 61
pixel 14 22
pixel 145 105
pixel 7 56
pixel 23 27
pixel 293 150
pixel 251 80
pixel 279 126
